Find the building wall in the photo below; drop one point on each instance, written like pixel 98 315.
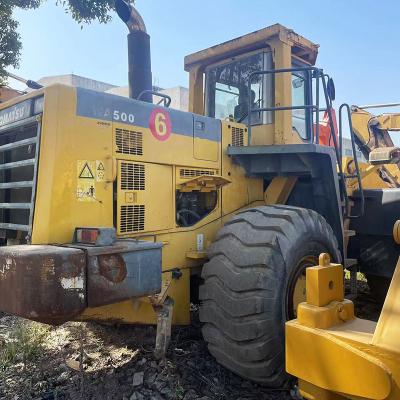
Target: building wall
pixel 347 150
pixel 76 80
pixel 6 93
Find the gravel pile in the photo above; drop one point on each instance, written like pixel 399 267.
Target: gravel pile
pixel 92 361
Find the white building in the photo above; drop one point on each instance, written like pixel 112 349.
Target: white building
pixel 78 81
pixel 179 95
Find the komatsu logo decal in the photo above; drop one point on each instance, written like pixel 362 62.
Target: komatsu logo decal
pixel 16 113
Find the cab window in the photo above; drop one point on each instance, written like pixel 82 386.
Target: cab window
pixel 299 99
pixel 227 94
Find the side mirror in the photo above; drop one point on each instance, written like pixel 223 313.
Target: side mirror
pixel 330 87
pixel 297 83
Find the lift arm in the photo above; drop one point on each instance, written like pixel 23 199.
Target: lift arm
pixel 373 139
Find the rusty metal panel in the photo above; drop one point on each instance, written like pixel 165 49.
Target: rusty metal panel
pixel 128 269
pixel 42 283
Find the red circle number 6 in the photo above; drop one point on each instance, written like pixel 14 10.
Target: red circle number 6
pixel 160 124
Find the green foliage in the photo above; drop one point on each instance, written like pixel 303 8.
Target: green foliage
pixel 82 11
pixel 26 4
pixel 10 44
pixel 24 343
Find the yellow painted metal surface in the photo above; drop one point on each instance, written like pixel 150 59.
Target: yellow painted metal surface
pixel 390 122
pixel 320 358
pixel 236 46
pixel 324 283
pixel 312 392
pixel 241 190
pixel 396 232
pixel 362 120
pixel 154 196
pixel 387 333
pixel 178 150
pixel 299 293
pixel 206 149
pixel 196 85
pixel 278 191
pixel 325 305
pixel 204 183
pixel 324 317
pixel 341 357
pixel 63 146
pixel 283 90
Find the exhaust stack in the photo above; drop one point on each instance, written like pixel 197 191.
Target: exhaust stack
pixel 139 56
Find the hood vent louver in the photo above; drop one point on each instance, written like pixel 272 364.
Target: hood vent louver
pixel 186 173
pixel 237 136
pixel 132 218
pixel 129 142
pixel 132 176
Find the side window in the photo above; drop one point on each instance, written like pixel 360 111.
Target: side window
pixel 226 100
pixel 299 98
pixel 227 93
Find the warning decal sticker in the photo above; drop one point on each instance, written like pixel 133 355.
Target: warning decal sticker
pixel 86 172
pixel 100 170
pixel 86 183
pixel 89 172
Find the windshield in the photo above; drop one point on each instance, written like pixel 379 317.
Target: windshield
pixel 227 94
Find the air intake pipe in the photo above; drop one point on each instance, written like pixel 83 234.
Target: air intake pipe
pixel 139 56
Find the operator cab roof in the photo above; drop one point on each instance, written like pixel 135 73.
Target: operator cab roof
pixel 301 47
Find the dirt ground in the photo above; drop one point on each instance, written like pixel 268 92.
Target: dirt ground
pixel 92 361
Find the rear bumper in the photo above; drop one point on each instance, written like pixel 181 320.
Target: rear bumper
pixel 54 284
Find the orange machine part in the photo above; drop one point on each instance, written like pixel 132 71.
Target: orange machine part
pixel 325 137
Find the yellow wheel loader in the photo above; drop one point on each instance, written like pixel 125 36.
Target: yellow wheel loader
pixel 121 210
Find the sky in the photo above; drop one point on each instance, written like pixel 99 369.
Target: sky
pixel 359 42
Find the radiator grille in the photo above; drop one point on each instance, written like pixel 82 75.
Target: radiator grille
pixel 18 162
pixel 237 136
pixel 129 142
pixel 132 176
pixel 192 173
pixel 132 218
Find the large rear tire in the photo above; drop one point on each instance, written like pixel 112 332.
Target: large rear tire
pixel 251 286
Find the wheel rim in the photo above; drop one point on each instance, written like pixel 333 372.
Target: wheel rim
pixel 296 293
